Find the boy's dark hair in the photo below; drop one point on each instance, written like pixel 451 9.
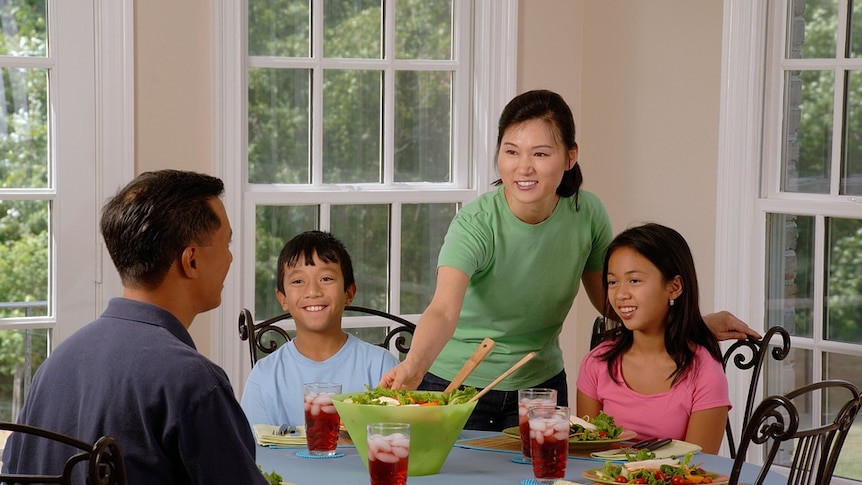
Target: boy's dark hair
pixel 150 221
pixel 549 106
pixel 327 247
pixel 669 252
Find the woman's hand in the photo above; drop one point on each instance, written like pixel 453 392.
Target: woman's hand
pixel 403 376
pixel 725 326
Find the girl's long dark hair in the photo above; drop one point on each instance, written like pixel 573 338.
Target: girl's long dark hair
pixel 548 106
pixel 669 252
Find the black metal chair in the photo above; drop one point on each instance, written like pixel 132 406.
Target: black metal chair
pixel 603 329
pixel 750 354
pixel 104 460
pixel 775 424
pixel 265 337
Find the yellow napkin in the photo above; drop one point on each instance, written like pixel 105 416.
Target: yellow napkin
pixel 675 448
pixel 266 435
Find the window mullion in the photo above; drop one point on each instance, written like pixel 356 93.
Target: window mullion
pixel 317 94
pixel 395 259
pixel 840 96
pixel 388 127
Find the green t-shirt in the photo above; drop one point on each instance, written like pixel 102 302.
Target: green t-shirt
pixel 523 280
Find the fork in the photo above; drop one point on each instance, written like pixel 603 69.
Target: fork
pixel 636 446
pixel 284 429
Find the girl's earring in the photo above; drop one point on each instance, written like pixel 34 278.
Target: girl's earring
pixel 671 302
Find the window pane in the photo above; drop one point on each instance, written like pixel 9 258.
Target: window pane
pixel 352 29
pixel 846 367
pixel 364 230
pixel 23 258
pixel 274 226
pixel 807 131
pixel 855 37
pixel 789 272
pixel 783 376
pixel 24 128
pixel 423 29
pixel 23 28
pixel 844 280
pixel 423 126
pixel 812 29
pixel 21 352
pixel 423 227
pixel 279 116
pixel 851 164
pixel 279 28
pixel 352 117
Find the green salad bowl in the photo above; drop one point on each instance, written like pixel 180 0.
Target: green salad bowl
pixel 433 429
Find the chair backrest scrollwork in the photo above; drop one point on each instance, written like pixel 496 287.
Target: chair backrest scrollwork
pixel 815 450
pixel 265 337
pixel 750 354
pixel 103 459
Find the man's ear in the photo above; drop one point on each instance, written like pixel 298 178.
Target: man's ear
pixel 188 262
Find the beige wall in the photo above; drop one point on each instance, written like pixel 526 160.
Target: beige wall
pixel 642 78
pixel 173 90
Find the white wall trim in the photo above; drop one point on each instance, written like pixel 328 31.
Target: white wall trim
pixel 739 153
pixel 495 48
pixel 229 137
pixel 115 120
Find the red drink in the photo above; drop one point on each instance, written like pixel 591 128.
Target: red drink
pixel 549 441
pixel 383 473
pixel 321 423
pixel 388 453
pixel 550 457
pixel 528 398
pixel 524 428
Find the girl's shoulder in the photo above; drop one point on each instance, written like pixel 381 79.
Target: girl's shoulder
pixel 704 361
pixel 601 349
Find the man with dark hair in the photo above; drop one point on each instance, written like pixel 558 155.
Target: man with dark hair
pixel 134 373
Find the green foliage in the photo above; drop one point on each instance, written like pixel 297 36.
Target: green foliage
pixel 23 164
pixel 23 28
pixel 844 300
pixel 279 134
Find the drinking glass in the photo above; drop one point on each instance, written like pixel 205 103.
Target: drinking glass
pixel 549 441
pixel 321 418
pixel 527 398
pixel 388 450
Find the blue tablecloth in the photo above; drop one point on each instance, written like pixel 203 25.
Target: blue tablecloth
pixel 465 466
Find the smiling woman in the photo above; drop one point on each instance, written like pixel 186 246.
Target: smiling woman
pixel 510 266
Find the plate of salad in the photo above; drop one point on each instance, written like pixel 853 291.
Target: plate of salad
pixel 666 471
pixel 587 434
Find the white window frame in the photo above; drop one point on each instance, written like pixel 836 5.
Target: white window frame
pixel 748 186
pixel 92 115
pixel 494 48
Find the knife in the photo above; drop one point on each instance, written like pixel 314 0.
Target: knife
pixel 659 444
pixel 644 443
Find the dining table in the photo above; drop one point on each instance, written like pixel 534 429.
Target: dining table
pixel 473 460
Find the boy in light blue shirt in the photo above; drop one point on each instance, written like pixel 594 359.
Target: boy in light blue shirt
pixel 315 283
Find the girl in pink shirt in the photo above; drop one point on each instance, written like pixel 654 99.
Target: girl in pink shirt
pixel 659 373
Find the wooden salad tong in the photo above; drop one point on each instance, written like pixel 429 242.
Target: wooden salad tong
pixel 478 356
